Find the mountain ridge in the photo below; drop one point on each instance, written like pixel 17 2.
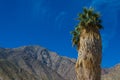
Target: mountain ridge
pixel 42 64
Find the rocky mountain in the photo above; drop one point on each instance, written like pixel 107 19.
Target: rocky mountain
pixel 34 63
pixel 112 73
pixel 38 63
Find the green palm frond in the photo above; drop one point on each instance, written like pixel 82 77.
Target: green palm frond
pixel 96 15
pixel 90 12
pixel 85 10
pixel 89 18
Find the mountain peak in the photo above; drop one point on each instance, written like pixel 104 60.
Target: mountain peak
pixel 29 46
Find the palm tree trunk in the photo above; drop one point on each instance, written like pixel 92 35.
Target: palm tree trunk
pixel 89 56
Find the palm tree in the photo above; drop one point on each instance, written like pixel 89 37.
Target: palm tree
pixel 87 40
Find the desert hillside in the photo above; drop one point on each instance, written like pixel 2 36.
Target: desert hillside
pixel 38 63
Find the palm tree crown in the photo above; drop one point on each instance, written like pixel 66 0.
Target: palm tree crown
pixel 89 19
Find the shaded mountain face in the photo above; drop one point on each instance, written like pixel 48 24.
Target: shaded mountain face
pixel 38 63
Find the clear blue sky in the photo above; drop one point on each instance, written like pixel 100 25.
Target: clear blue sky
pixel 48 23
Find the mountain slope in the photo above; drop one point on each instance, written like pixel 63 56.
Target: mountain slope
pixel 38 63
pixel 112 73
pixel 8 71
